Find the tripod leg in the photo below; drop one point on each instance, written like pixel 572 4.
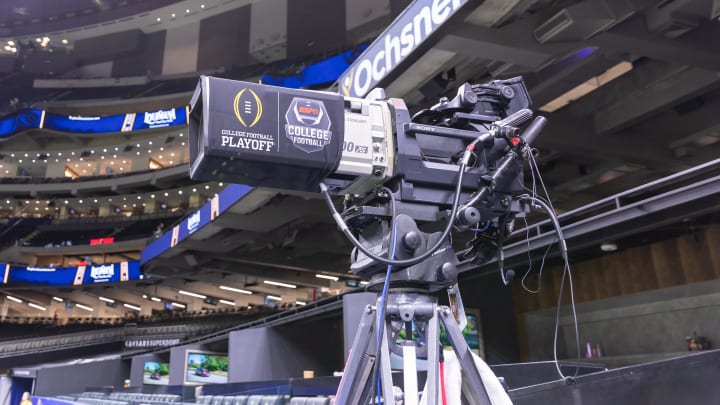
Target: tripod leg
pixel 354 387
pixel 385 370
pixel 433 345
pixel 472 384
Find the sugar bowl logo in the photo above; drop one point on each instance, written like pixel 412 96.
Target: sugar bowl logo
pixel 308 124
pixel 248 107
pixel 193 222
pixel 103 272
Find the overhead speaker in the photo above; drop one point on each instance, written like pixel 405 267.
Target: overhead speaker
pixel 583 20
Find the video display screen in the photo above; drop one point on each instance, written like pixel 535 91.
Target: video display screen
pixel 66 276
pixel 206 368
pixel 156 373
pixel 472 334
pixel 90 125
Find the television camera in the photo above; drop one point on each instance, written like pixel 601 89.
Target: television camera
pixel 371 150
pixel 407 181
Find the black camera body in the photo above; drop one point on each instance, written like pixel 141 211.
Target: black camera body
pixel 291 139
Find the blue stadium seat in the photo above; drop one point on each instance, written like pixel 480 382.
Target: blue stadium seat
pixel 273 400
pixel 255 400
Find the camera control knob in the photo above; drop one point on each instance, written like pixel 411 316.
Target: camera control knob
pixel 411 241
pixel 507 92
pixel 468 217
pixel 448 271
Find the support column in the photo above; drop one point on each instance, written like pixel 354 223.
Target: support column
pixel 140 163
pixel 146 310
pixel 194 201
pixel 17 209
pixel 4 309
pixel 58 309
pixel 151 206
pixel 105 210
pixel 55 170
pixel 194 304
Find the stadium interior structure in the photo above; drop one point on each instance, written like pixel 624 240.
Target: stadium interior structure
pixel 127 282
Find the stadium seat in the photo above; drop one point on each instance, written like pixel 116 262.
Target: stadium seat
pixel 273 400
pixel 255 400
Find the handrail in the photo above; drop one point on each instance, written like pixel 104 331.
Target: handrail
pixel 647 207
pixel 615 201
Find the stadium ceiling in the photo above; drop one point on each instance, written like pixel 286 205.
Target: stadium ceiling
pixel 631 89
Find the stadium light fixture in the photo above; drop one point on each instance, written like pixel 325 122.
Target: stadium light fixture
pixel 108 300
pixel 279 284
pixel 326 277
pixel 226 302
pixel 11 298
pixel 58 299
pixel 237 290
pixel 85 307
pixel 274 298
pixel 36 306
pixel 132 307
pixel 192 294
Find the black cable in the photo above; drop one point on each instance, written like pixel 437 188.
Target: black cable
pixel 542 265
pixel 566 272
pixel 501 253
pixel 404 262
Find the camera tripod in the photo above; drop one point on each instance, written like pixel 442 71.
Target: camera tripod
pixel 410 299
pixel 404 307
pixel 411 302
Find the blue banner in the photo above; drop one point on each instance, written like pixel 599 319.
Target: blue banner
pixel 203 216
pixel 87 124
pixel 319 73
pixel 66 276
pixel 20 121
pixel 80 124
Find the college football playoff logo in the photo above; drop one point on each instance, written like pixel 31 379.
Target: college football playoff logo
pixel 248 107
